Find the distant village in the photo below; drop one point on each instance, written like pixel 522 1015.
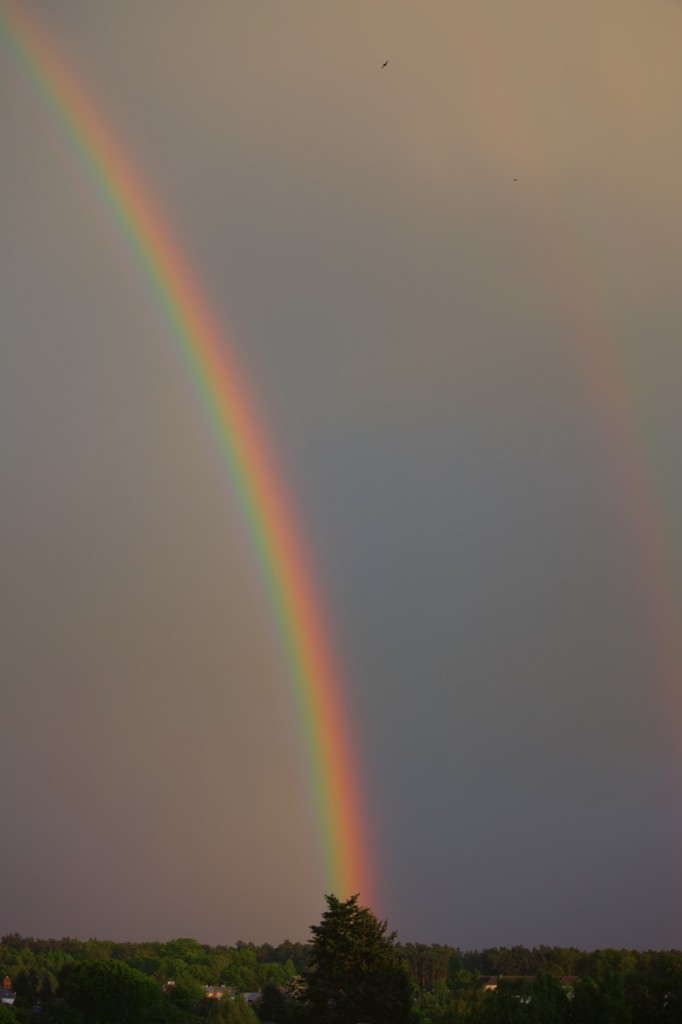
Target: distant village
pixel 486 983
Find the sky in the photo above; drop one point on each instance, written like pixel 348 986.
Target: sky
pixel 453 286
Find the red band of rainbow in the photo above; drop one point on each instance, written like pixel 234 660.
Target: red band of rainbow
pixel 224 398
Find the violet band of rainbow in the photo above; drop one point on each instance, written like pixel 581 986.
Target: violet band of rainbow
pixel 226 402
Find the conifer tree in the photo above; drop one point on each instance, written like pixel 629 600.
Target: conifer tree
pixel 356 975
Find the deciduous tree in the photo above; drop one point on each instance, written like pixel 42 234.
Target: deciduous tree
pixel 109 991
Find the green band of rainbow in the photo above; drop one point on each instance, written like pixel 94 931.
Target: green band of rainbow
pixel 225 400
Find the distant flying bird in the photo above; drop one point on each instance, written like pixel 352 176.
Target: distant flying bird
pixel 384 64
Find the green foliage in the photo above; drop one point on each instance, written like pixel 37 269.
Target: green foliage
pixel 356 973
pixel 654 988
pixel 184 996
pixel 429 965
pixel 38 962
pixel 510 1004
pixel 274 1007
pixel 233 1011
pixel 549 1000
pixel 60 1013
pixel 109 992
pixel 441 982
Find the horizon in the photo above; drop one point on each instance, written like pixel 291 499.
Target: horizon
pixel 304 942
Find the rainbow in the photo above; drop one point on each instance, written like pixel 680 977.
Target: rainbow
pixel 569 273
pixel 632 465
pixel 223 396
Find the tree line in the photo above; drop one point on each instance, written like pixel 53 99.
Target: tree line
pixel 353 971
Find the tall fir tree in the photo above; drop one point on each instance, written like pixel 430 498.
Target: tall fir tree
pixel 356 974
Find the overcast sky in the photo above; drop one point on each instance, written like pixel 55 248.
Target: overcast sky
pixel 454 286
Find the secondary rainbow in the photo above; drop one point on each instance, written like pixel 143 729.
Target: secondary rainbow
pixel 225 400
pixel 569 273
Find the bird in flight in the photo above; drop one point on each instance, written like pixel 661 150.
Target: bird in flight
pixel 384 64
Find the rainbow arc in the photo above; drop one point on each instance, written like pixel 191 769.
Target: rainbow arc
pixel 223 395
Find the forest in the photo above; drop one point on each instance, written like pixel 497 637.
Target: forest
pixel 352 971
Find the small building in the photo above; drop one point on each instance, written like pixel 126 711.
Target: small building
pixel 218 991
pixel 7 993
pixel 488 982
